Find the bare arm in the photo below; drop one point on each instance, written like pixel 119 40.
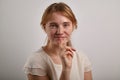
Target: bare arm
pixel 88 75
pixel 35 77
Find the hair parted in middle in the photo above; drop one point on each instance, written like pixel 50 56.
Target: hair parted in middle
pixel 61 7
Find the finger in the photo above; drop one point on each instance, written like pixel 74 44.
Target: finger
pixel 69 53
pixel 70 49
pixel 73 49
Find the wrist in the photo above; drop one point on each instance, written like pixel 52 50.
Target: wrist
pixel 66 69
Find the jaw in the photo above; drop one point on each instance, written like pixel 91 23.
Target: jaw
pixel 60 41
pixel 56 41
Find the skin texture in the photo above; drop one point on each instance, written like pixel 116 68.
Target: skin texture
pixel 59 30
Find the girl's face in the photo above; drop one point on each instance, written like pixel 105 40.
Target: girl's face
pixel 58 29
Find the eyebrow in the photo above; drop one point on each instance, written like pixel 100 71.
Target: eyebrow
pixel 62 23
pixel 66 22
pixel 53 23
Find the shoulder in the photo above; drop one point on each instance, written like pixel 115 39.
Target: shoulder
pixel 35 59
pixel 36 55
pixel 36 63
pixel 80 54
pixel 83 58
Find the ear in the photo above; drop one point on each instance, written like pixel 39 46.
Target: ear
pixel 44 28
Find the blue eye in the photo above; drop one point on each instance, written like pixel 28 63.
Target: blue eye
pixel 66 25
pixel 53 26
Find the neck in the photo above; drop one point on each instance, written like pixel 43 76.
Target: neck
pixel 52 49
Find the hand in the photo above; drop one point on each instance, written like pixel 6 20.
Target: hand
pixel 66 55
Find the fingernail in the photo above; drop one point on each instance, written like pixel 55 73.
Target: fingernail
pixel 73 49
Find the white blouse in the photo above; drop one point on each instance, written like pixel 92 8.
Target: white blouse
pixel 39 63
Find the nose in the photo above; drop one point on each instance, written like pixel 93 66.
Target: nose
pixel 60 30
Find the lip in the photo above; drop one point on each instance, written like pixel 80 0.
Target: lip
pixel 59 37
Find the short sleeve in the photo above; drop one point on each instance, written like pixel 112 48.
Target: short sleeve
pixel 35 65
pixel 87 64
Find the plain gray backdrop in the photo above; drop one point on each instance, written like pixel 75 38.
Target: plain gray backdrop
pixel 98 35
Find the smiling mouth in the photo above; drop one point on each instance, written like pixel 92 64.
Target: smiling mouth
pixel 59 37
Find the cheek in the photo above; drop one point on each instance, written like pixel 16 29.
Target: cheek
pixel 69 32
pixel 50 34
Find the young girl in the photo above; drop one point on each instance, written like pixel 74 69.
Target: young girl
pixel 58 60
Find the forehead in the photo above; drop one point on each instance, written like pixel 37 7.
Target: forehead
pixel 58 17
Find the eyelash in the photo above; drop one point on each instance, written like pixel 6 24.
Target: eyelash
pixel 53 26
pixel 66 24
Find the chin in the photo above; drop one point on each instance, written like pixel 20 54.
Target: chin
pixel 60 42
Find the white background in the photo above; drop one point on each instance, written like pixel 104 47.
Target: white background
pixel 98 35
